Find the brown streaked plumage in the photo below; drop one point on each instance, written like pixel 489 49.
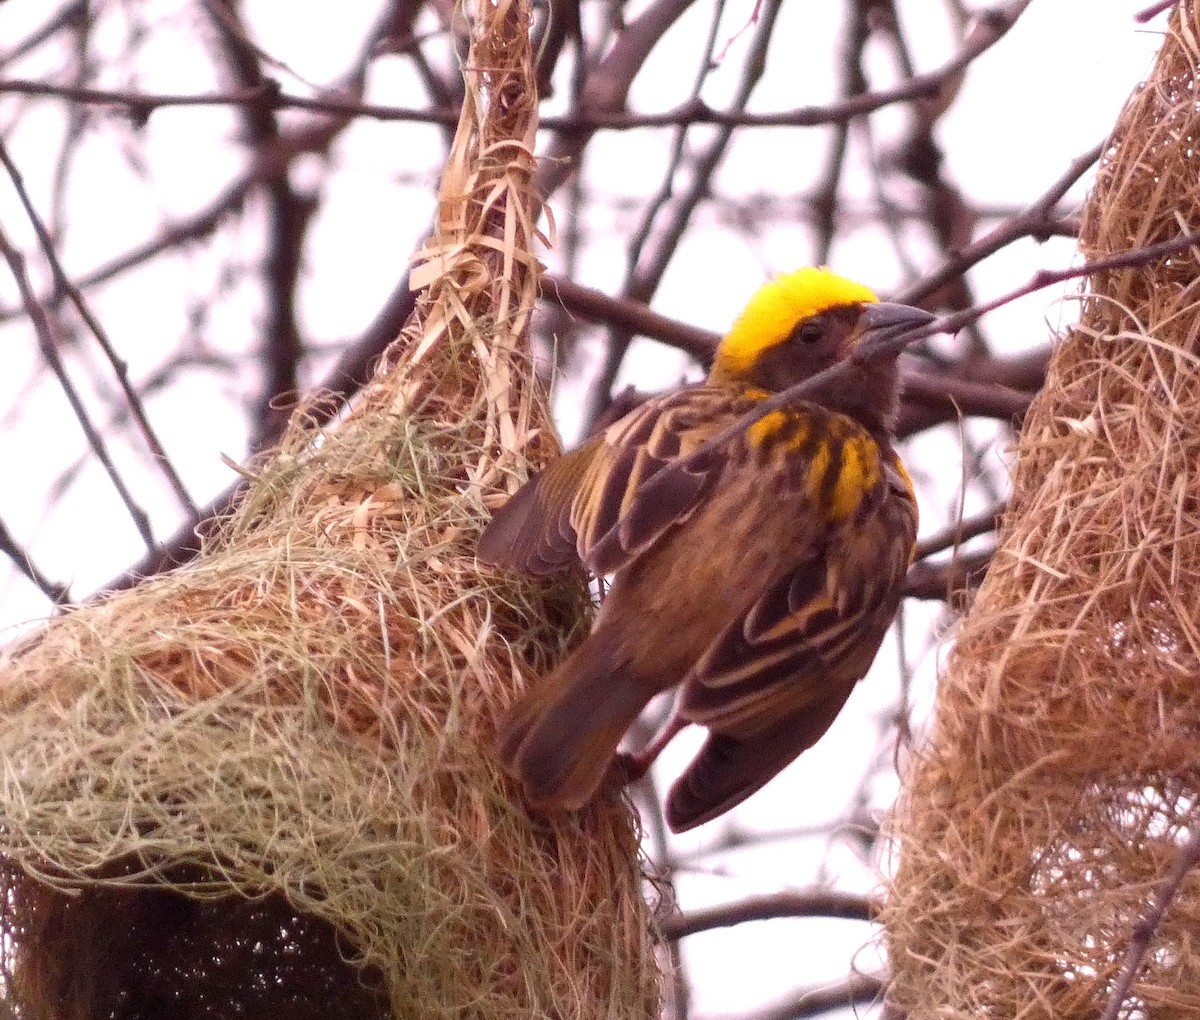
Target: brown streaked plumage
pixel 761 582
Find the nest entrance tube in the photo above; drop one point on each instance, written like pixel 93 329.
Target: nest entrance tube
pixel 263 785
pixel 142 952
pixel 1040 828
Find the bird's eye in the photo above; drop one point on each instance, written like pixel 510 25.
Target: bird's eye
pixel 810 332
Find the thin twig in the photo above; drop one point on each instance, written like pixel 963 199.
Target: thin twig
pixel 811 903
pixel 69 15
pixel 856 990
pixel 960 531
pixel 1039 220
pixel 119 366
pixel 991 27
pixel 49 348
pixel 55 592
pixel 1143 932
pixel 939 582
pixel 199 225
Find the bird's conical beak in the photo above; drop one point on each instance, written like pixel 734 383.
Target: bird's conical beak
pixel 881 320
pixel 893 318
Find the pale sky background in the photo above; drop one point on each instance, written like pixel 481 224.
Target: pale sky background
pixel 1046 93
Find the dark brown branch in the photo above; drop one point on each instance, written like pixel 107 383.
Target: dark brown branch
pixel 604 112
pixel 813 903
pixel 562 25
pixel 1143 932
pixel 288 216
pixel 55 592
pixel 947 582
pixel 958 532
pixel 856 990
pixel 1038 221
pixel 49 348
pixel 931 399
pixel 632 316
pixel 119 366
pixel 1018 372
pixel 283 346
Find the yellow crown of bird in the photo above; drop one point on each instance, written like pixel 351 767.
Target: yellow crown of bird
pixel 779 305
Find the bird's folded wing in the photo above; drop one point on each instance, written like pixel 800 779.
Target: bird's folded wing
pixel 639 488
pixel 533 531
pixel 814 627
pixel 587 503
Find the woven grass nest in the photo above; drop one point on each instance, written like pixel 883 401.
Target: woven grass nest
pixel 263 785
pixel 1062 778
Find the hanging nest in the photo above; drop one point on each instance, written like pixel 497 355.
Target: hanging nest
pixel 1062 778
pixel 263 786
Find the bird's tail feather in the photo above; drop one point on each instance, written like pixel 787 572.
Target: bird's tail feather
pixel 729 769
pixel 560 738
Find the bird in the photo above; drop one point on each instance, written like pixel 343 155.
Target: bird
pixel 758 575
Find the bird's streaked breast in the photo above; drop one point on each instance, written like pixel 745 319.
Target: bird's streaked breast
pixel 835 460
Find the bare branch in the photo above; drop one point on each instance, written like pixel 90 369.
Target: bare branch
pixel 57 593
pixel 119 366
pixel 949 581
pixel 811 903
pixel 1037 221
pixel 49 348
pixel 961 531
pixel 67 16
pixel 1143 932
pixel 631 316
pixel 856 990
pixel 930 399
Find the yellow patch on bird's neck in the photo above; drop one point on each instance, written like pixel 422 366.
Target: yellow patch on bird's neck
pixel 775 311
